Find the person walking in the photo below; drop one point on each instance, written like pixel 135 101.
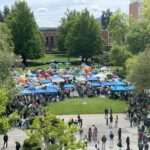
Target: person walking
pixel 140 146
pixel 111 136
pixel 146 146
pixel 98 145
pixel 119 134
pixel 116 121
pixel 106 113
pixel 18 146
pixel 128 142
pixel 85 139
pixel 89 134
pixel 111 121
pixel 103 142
pixel 5 138
pixel 120 144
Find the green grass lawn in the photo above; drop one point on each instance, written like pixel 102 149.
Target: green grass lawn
pixel 85 106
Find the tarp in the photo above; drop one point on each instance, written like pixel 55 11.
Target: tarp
pixel 92 79
pixel 51 90
pixel 118 88
pixel 67 76
pixel 95 84
pixel 69 86
pixel 45 81
pixel 81 79
pixel 53 86
pixel 106 83
pixel 118 83
pixel 57 79
pixel 128 88
pixel 38 91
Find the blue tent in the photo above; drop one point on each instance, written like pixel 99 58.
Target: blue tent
pixel 118 88
pixel 92 79
pixel 107 83
pixel 118 83
pixel 67 76
pixel 45 81
pixel 53 87
pixel 128 88
pixel 25 91
pixel 69 86
pixel 31 88
pixel 51 90
pixel 38 91
pixel 31 75
pixel 83 65
pixel 94 72
pixel 96 84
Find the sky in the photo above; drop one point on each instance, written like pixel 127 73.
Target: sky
pixel 49 12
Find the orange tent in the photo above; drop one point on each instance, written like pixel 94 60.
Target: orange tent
pixel 23 80
pixel 87 69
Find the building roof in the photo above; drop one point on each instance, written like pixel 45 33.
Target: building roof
pixel 48 28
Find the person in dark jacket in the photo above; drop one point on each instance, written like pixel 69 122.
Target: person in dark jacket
pixel 5 138
pixel 119 134
pixel 18 146
pixel 128 142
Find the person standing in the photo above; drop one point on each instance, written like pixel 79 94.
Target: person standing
pixel 128 142
pixel 120 144
pixel 106 113
pixel 111 136
pixel 85 140
pixel 17 145
pixel 111 121
pixel 5 138
pixel 89 134
pixel 116 121
pixel 140 146
pixel 146 146
pixel 119 134
pixel 98 146
pixel 103 142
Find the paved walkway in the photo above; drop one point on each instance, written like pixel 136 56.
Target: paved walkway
pixel 88 121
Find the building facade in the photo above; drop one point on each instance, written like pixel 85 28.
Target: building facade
pixel 135 8
pixel 50 37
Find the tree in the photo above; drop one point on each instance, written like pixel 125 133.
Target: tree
pixel 119 54
pixel 1 16
pixel 138 69
pixel 84 37
pixel 54 133
pixel 66 24
pixel 146 9
pixel 105 18
pixel 27 38
pixel 138 38
pixel 118 27
pixel 6 11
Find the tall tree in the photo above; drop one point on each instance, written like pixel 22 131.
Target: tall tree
pixel 118 27
pixel 64 28
pixel 138 38
pixel 105 18
pixel 1 16
pixel 6 11
pixel 146 9
pixel 27 38
pixel 138 69
pixel 84 38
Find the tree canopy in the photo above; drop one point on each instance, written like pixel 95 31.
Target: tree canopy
pixel 105 18
pixel 138 69
pixel 27 38
pixel 80 34
pixel 118 27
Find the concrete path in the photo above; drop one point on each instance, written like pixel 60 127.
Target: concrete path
pixel 88 121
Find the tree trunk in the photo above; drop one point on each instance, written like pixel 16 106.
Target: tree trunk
pixel 24 61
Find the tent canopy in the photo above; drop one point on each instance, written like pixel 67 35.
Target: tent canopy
pixel 69 86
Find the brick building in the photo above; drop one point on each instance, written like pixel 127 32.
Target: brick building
pixel 135 8
pixel 50 35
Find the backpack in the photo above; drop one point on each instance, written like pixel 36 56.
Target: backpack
pixel 111 135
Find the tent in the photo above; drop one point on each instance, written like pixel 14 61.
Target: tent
pixel 95 84
pixel 104 68
pixel 106 83
pixel 118 83
pixel 51 90
pixel 53 87
pixel 87 69
pixel 83 65
pixel 69 86
pixel 38 91
pixel 128 88
pixel 57 79
pixel 81 79
pixel 45 81
pixel 102 76
pixel 25 91
pixel 67 76
pixel 118 88
pixel 92 79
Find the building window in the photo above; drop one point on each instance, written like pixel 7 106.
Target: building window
pixel 47 40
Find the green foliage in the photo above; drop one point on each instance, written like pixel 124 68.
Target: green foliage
pixel 105 18
pixel 28 40
pixel 65 27
pixel 118 27
pixel 13 118
pixel 146 9
pixel 3 101
pixel 6 43
pixel 118 54
pixel 47 127
pixel 138 69
pixel 84 38
pixel 4 125
pixel 31 143
pixel 138 38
